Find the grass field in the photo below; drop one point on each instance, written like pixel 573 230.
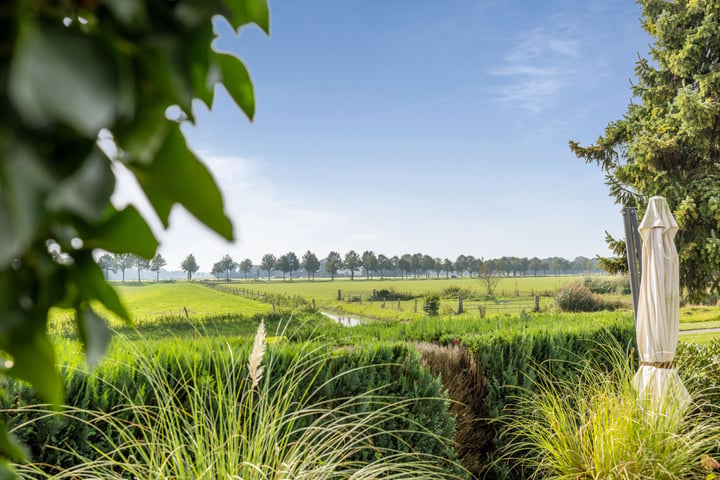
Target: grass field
pixel 160 307
pixel 149 301
pixel 324 289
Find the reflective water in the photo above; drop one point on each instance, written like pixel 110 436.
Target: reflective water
pixel 343 320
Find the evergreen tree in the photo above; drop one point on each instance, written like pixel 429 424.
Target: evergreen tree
pixel 667 141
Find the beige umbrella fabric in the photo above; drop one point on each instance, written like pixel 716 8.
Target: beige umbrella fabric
pixel 658 314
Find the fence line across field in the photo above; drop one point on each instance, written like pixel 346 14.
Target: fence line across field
pixel 526 300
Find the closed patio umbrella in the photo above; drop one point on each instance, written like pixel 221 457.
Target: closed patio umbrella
pixel 658 313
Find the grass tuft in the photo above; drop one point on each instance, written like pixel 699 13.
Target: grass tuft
pixel 599 427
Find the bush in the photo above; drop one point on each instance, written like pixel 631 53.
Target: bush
pixel 597 426
pixel 392 294
pixel 454 291
pixel 576 297
pixel 606 286
pixel 431 304
pixel 382 386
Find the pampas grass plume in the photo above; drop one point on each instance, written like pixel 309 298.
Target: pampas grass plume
pixel 255 367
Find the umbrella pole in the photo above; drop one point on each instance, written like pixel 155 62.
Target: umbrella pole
pixel 632 244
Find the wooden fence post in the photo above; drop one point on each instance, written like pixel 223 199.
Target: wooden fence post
pixel 536 308
pixel 416 305
pixel 460 304
pixel 339 295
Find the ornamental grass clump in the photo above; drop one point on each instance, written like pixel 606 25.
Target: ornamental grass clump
pixel 254 419
pixel 598 427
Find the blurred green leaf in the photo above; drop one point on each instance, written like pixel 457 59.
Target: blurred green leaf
pixel 131 13
pixel 60 75
pixel 249 11
pixel 87 192
pixel 24 183
pixel 10 446
pixel 141 139
pixel 34 362
pixel 94 335
pixel 6 473
pixel 177 176
pixel 125 231
pixel 91 283
pixel 237 82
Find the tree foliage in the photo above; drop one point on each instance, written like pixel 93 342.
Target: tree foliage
pixel 245 267
pixel 310 263
pixel 106 263
pixel 333 264
pixel 140 264
pixel 268 263
pixel 70 72
pixel 190 266
pixel 667 141
pixel 156 264
pixel 352 262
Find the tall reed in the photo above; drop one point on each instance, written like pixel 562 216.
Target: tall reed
pixel 254 420
pixel 597 427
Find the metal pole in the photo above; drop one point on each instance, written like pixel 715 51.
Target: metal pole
pixel 632 244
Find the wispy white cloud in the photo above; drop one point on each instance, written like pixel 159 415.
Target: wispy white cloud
pixel 266 219
pixel 537 68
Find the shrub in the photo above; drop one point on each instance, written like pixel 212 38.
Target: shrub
pixel 187 402
pixel 576 297
pixel 612 285
pixel 431 304
pixel 391 293
pixel 597 426
pixel 454 291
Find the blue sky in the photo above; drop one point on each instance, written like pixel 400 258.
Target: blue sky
pixel 417 126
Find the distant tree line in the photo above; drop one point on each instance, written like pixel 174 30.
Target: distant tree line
pixel 369 264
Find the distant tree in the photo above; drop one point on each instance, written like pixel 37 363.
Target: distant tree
pixel 156 264
pixel 560 265
pixel 310 263
pixel 283 264
pixel 106 263
pixel 426 264
pixel 352 262
pixel 228 265
pixel 416 263
pixel 471 264
pixel 268 263
pixel 488 275
pixel 460 265
pixel 123 261
pixel 294 263
pixel 369 263
pixel 535 264
pixel 405 264
pixel 437 266
pixel 288 263
pixel 384 263
pixel 333 264
pixel 217 269
pixel 245 267
pixel 394 260
pixel 447 266
pixel 190 266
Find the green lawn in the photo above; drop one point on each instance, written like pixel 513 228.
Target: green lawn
pixel 325 289
pixel 149 301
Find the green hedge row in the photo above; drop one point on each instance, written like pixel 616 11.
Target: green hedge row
pixel 393 368
pixel 499 366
